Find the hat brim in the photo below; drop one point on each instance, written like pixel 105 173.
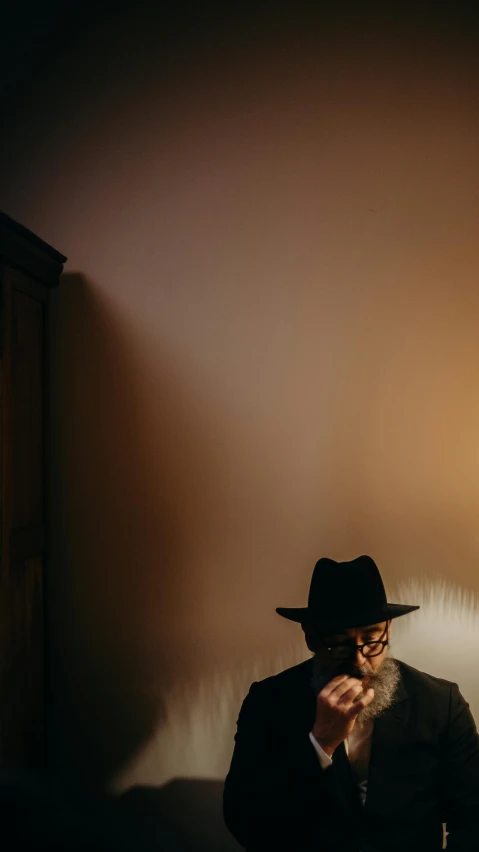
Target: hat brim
pixel 304 616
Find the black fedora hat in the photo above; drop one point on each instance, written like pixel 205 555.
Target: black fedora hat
pixel 345 594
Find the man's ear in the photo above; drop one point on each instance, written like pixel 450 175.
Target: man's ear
pixel 390 626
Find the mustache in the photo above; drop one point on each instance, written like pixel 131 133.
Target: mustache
pixel 324 674
pixel 352 671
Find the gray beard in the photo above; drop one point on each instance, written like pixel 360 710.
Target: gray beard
pixel 384 681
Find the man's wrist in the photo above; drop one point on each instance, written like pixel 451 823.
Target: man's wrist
pixel 328 749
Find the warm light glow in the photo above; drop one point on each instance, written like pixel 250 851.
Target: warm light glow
pixel 266 351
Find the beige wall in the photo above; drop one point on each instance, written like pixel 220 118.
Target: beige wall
pixel 265 350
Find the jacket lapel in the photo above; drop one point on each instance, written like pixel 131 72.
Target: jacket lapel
pixel 388 735
pixel 346 787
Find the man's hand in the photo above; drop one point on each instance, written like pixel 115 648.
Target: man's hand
pixel 337 708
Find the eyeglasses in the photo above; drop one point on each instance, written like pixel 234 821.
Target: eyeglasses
pixel 345 650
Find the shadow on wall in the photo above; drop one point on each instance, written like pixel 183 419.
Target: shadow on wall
pixel 138 473
pixel 101 709
pixel 118 526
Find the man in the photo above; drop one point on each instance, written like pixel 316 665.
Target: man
pixel 353 751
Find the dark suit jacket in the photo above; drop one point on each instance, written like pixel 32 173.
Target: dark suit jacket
pixel 424 770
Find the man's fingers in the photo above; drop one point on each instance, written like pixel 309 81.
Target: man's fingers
pixel 344 686
pixel 361 703
pixel 333 684
pixel 350 694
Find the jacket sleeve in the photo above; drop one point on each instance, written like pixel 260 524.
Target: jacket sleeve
pixel 460 779
pixel 276 792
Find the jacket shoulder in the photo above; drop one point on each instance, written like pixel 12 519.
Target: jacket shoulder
pixel 288 678
pixel 416 680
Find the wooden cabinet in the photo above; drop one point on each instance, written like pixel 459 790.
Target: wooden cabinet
pixel 29 268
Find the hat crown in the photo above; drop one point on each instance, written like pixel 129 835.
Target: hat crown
pixel 347 592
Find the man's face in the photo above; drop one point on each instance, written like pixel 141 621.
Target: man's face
pixel 336 653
